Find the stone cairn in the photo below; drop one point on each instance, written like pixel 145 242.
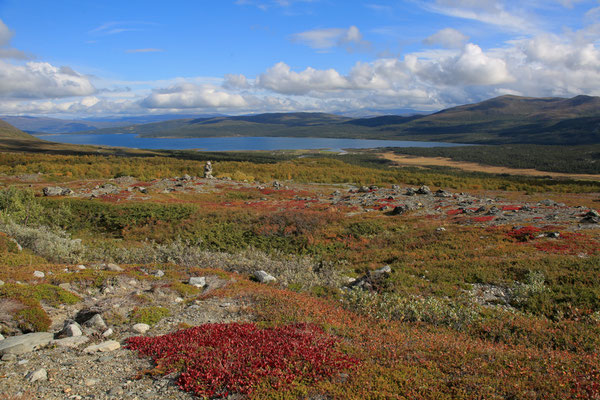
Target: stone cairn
pixel 208 170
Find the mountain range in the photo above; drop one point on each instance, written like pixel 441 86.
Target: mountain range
pixel 506 119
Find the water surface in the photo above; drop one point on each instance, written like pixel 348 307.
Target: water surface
pixel 233 143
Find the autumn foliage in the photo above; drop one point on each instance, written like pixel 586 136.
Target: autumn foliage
pixel 220 359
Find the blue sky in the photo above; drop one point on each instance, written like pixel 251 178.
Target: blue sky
pixel 97 58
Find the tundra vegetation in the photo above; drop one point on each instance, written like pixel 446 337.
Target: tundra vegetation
pixel 417 332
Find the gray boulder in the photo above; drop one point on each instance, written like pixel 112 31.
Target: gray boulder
pixel 25 343
pixel 424 190
pixel 264 277
pixel 56 191
pixel 198 281
pixel 96 322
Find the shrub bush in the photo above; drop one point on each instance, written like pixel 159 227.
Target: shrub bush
pixel 217 360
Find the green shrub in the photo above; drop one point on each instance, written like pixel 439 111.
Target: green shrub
pixel 32 319
pixel 149 315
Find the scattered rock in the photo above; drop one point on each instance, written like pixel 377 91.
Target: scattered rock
pixel 424 190
pixel 441 229
pixel 410 192
pixel 198 281
pixel 80 267
pixel 38 375
pixel 38 274
pixel 264 277
pixel 385 270
pixel 443 194
pixel 399 210
pixel 25 343
pixel 112 267
pixel 95 322
pixel 72 342
pixel 109 345
pixel 363 189
pixel 1 337
pixel 56 191
pixel 140 328
pixel 1 282
pixel 395 187
pixel 107 332
pixel 9 357
pixel 159 274
pixel 71 330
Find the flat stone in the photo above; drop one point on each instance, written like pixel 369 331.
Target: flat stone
pixel 9 357
pixel 38 375
pixel 25 343
pixel 73 341
pixel 140 328
pixel 264 277
pixel 109 345
pixel 198 281
pixel 108 332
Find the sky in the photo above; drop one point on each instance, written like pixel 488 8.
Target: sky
pixel 83 58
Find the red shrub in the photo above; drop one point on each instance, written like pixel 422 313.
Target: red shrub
pixel 511 208
pixel 525 233
pixel 219 359
pixel 455 212
pixel 486 218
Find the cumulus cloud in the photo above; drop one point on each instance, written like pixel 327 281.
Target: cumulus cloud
pixel 323 39
pixel 280 78
pixel 187 95
pixel 42 80
pixel 449 38
pixel 5 50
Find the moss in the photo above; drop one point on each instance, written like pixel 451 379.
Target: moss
pixel 32 319
pixel 149 315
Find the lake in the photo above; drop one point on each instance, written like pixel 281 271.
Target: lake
pixel 131 140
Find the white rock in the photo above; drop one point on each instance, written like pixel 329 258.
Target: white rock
pixel 264 277
pixel 198 281
pixel 113 267
pixel 108 332
pixel 38 375
pixel 159 274
pixel 1 337
pixel 39 274
pixel 1 282
pixel 80 267
pixel 90 382
pixel 140 328
pixel 25 343
pixel 71 342
pixel 383 270
pixel 109 345
pixel 178 299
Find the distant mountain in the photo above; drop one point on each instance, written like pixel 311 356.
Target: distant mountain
pixel 505 119
pixel 56 125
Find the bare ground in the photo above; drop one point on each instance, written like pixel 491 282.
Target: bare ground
pixel 475 167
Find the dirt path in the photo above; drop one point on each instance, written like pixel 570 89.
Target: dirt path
pixel 470 166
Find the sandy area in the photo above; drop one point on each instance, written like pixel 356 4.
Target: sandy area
pixel 470 166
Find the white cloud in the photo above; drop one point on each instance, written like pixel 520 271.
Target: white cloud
pixel 492 12
pixel 281 79
pixel 5 50
pixel 235 81
pixel 41 80
pixel 187 95
pixel 5 34
pixel 449 38
pixel 323 39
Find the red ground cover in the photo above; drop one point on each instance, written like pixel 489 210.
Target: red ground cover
pixel 219 359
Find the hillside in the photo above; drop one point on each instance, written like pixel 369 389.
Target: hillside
pixel 7 131
pixel 501 120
